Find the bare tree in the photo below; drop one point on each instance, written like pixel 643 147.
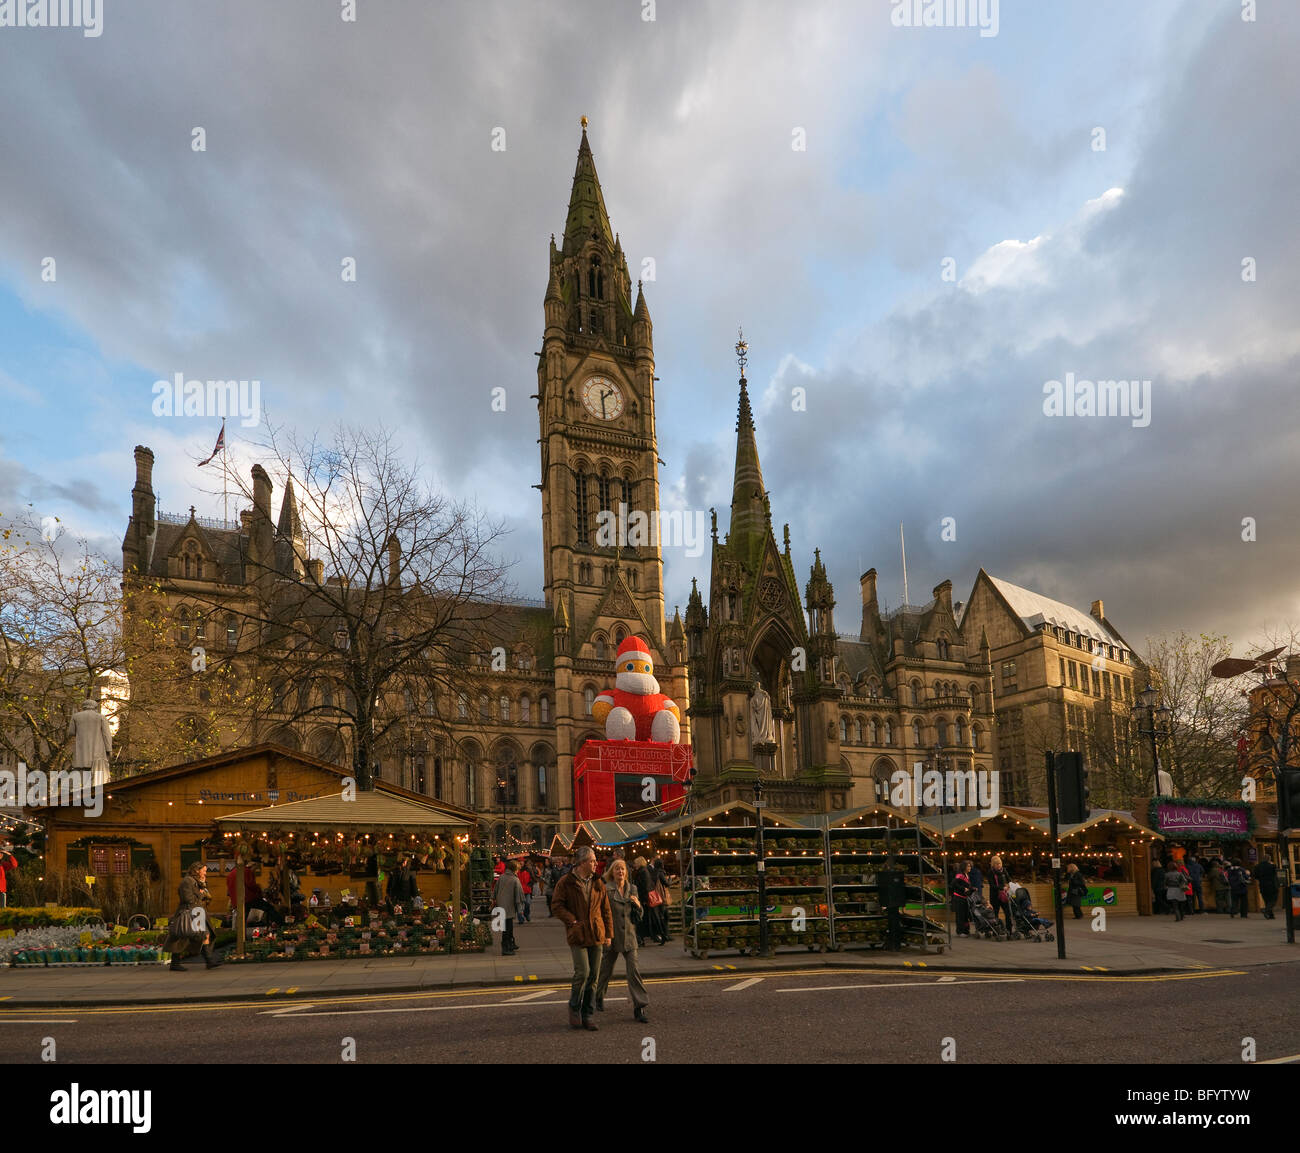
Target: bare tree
pixel 372 599
pixel 60 636
pixel 1207 714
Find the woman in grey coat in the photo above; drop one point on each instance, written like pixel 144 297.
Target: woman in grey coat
pixel 194 895
pixel 626 908
pixel 509 897
pixel 1176 891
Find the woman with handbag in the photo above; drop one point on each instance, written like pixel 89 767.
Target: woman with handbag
pixel 644 881
pixel 665 900
pixel 999 879
pixel 625 904
pixel 189 924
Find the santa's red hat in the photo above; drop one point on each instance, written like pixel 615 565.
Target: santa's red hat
pixel 636 647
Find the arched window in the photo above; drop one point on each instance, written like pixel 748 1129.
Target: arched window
pixel 844 730
pixel 326 694
pixel 961 730
pixel 512 783
pixel 916 732
pixel 873 732
pixel 943 648
pixel 183 627
pixel 974 696
pixel 631 577
pixel 484 708
pixel 916 692
pixel 470 766
pixel 941 727
pixel 873 689
pixel 588 698
pixel 857 730
pixel 583 509
pixel 541 786
pixel 602 491
pixel 544 709
pixel 418 783
pixel 619 635
pixel 888 734
pixel 462 707
pixel 525 709
pixel 503 703
pixel 600 647
pixel 408 701
pixel 232 633
pixel 977 737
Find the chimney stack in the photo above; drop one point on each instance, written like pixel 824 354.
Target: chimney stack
pixel 394 561
pixel 1098 610
pixel 317 570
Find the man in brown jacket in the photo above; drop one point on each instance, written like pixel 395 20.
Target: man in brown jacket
pixel 581 902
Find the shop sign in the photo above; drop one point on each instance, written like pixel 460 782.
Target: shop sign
pixel 1193 820
pixel 1099 895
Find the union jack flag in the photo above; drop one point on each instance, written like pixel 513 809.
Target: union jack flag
pixel 219 447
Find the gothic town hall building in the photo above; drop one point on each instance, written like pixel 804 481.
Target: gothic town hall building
pixel 848 711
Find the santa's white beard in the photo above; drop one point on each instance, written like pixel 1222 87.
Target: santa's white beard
pixel 643 684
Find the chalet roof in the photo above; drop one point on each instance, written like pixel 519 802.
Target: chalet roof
pixel 378 811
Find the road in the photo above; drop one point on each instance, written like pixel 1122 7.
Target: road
pixel 844 1016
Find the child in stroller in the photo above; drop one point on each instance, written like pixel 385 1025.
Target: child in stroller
pixel 984 919
pixel 1027 921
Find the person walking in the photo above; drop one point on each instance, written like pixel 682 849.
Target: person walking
pixel 1239 886
pixel 526 884
pixel 999 879
pixel 1266 875
pixel 1196 871
pixel 508 896
pixel 1158 905
pixel 1219 883
pixel 8 864
pixel 550 875
pixel 582 903
pixel 189 924
pixel 1176 891
pixel 643 879
pixel 625 906
pixel 1076 888
pixel 961 891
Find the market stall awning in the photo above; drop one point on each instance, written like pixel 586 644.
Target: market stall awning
pixel 369 812
pixel 611 833
pixel 715 812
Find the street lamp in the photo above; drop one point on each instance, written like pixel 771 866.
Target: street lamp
pixel 1157 724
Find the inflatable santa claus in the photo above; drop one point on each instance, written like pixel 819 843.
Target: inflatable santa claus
pixel 635 709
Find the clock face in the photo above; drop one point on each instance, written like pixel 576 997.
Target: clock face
pixel 602 398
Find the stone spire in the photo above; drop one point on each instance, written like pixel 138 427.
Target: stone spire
pixel 586 203
pixel 748 498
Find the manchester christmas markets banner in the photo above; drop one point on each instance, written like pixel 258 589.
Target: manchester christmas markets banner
pixel 1195 820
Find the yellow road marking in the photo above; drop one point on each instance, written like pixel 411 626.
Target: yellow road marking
pixel 220 1006
pixel 293 990
pixel 922 964
pixel 275 990
pixel 518 978
pixel 532 976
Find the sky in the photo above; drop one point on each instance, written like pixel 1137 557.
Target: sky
pixel 919 227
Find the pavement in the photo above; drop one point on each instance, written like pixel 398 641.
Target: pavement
pixel 1128 946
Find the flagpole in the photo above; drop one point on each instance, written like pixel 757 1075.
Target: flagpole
pixel 225 477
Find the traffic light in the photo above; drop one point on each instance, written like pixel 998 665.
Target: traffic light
pixel 1072 788
pixel 1288 799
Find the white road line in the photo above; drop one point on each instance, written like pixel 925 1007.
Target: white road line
pixel 742 985
pixel 283 1009
pixel 943 979
pixel 903 985
pixel 38 1021
pixel 425 1009
pixel 532 996
pixel 1292 1060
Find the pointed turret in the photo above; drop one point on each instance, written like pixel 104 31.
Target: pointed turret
pixel 748 498
pixel 289 525
pixel 586 203
pixel 554 305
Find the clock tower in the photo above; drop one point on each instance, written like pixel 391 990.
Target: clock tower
pixel 603 564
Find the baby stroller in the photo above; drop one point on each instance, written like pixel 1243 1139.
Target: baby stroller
pixel 984 920
pixel 1028 923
